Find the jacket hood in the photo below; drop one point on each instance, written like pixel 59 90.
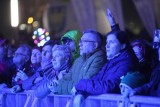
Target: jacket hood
pixel 75 36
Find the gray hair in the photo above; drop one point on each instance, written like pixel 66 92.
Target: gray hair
pixel 26 49
pixel 66 50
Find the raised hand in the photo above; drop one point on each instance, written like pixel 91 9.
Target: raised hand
pixel 110 17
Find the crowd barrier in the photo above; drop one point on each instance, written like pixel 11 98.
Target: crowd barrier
pixel 28 99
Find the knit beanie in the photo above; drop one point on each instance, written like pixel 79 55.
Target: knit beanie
pixel 133 79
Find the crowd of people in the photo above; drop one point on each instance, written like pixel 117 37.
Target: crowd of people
pixel 81 64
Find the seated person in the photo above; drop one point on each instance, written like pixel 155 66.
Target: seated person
pixel 61 60
pixel 71 39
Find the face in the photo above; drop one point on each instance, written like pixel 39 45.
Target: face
pixel 47 53
pixel 19 57
pixel 113 46
pixel 125 90
pixel 70 44
pixel 58 59
pixel 36 56
pixel 87 44
pixel 138 53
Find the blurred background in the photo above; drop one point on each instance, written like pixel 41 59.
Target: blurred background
pixel 42 20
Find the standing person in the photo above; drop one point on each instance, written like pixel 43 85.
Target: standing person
pixel 152 88
pixel 21 60
pixel 144 53
pixel 45 67
pixel 71 39
pixel 6 64
pixel 121 59
pixel 61 61
pixel 35 66
pixel 87 65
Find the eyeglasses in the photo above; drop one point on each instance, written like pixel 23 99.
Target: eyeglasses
pixel 19 54
pixel 84 41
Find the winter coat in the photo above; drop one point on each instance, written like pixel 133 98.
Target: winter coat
pixel 84 67
pixel 6 71
pixel 43 90
pixel 108 79
pixel 29 83
pixel 151 88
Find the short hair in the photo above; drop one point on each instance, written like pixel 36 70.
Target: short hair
pixel 26 49
pixel 99 37
pixel 66 50
pixel 51 43
pixel 122 37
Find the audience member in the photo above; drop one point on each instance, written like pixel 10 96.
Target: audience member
pixel 71 39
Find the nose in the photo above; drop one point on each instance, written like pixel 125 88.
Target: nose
pixel 34 55
pixel 44 53
pixel 80 43
pixel 107 45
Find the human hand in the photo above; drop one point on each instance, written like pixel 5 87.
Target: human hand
pixel 78 100
pixel 38 79
pixel 132 93
pixel 3 85
pixel 73 91
pixel 53 86
pixel 110 17
pixel 21 75
pixel 16 89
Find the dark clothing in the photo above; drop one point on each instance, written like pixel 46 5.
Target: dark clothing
pixel 29 83
pixel 26 69
pixel 153 87
pixel 6 71
pixel 108 79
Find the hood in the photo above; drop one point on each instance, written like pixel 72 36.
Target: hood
pixel 75 36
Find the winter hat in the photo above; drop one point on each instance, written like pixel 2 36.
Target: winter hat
pixel 133 79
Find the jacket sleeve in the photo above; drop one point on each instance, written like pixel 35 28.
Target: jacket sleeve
pixel 149 87
pixel 93 68
pixel 27 84
pixel 64 83
pixel 115 27
pixel 43 90
pixel 100 85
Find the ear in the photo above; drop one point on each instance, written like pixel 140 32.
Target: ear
pixel 95 45
pixel 27 59
pixel 123 46
pixel 67 59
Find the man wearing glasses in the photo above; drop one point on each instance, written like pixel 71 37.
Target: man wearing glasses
pixel 21 60
pixel 91 60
